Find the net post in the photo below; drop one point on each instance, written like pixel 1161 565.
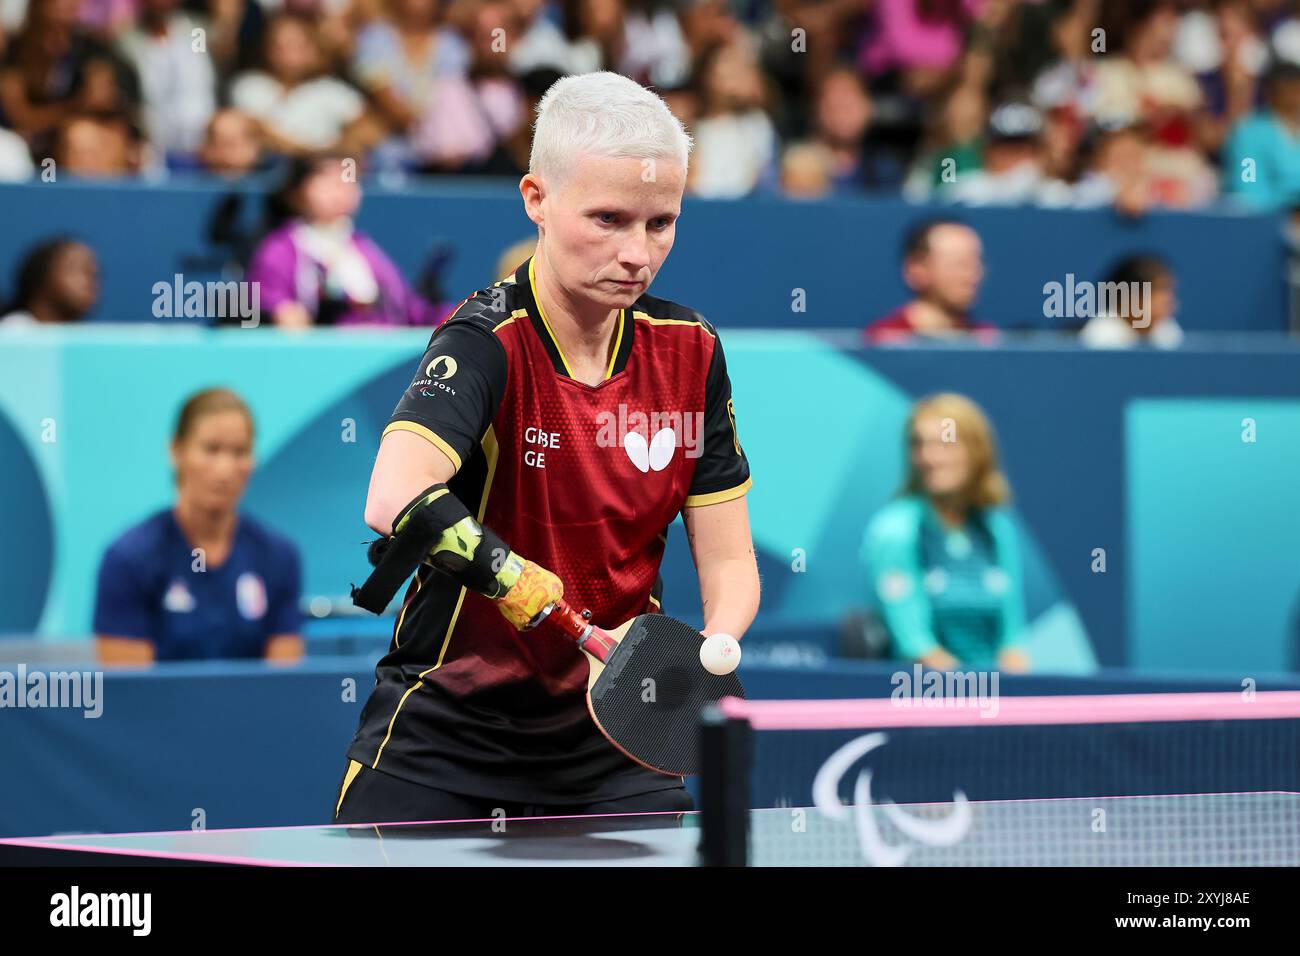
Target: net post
pixel 725 746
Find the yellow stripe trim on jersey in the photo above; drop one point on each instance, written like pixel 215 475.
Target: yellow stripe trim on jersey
pixel 397 631
pixel 618 342
pixel 491 452
pixel 541 313
pixel 516 314
pixel 717 497
pixel 645 317
pixel 418 429
pixel 400 704
pixel 354 768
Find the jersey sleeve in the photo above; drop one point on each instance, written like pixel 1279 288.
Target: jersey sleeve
pixel 722 473
pixel 121 604
pixel 456 390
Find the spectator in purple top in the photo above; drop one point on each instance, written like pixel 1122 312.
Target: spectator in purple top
pixel 316 268
pixel 1238 57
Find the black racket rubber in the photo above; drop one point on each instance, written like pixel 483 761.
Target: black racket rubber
pixel 661 732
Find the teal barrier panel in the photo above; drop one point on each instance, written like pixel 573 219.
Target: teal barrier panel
pixel 1214 544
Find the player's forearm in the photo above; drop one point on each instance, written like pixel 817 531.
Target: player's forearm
pixel 729 592
pixel 436 528
pixel 723 550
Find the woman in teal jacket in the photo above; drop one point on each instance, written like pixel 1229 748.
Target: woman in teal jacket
pixel 943 559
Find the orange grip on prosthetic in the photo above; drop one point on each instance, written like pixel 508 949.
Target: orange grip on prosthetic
pixel 535 589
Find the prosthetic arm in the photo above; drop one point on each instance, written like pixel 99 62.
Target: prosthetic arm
pixel 438 530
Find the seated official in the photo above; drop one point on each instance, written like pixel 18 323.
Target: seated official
pixel 201 579
pixel 943 559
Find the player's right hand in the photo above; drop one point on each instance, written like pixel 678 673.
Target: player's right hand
pixel 535 588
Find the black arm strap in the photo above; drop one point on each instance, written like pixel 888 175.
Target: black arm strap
pixel 418 529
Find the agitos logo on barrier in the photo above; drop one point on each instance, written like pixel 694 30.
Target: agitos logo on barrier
pixel 826 797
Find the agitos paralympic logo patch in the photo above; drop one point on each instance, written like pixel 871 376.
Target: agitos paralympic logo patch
pixel 946 831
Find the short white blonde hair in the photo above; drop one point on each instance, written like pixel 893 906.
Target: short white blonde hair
pixel 603 114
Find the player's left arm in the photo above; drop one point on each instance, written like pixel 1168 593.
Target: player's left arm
pixel 716 514
pixel 724 558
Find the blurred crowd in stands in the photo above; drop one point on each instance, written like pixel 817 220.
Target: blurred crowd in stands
pixel 1073 103
pixel 1126 104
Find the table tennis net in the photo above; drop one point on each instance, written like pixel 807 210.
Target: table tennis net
pixel 1130 780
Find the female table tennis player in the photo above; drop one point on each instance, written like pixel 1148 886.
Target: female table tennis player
pixel 556 425
pixel 202 579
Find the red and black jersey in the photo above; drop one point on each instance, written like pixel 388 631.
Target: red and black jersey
pixel 582 479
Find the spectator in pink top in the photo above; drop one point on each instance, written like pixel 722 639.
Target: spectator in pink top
pixel 921 39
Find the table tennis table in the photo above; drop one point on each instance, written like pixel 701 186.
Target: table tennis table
pixel 1235 829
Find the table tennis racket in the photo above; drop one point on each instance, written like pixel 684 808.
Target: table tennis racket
pixel 646 685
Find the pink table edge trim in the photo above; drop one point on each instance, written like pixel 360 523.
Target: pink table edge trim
pixel 195 857
pixel 43 840
pixel 976 711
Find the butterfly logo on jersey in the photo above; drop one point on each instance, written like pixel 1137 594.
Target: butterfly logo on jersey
pixel 650 439
pixel 653 455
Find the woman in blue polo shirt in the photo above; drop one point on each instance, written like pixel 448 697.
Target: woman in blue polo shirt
pixel 200 579
pixel 943 559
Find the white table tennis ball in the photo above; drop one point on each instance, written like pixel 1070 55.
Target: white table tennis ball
pixel 720 654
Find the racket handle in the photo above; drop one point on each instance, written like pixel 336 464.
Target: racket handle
pixel 577 625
